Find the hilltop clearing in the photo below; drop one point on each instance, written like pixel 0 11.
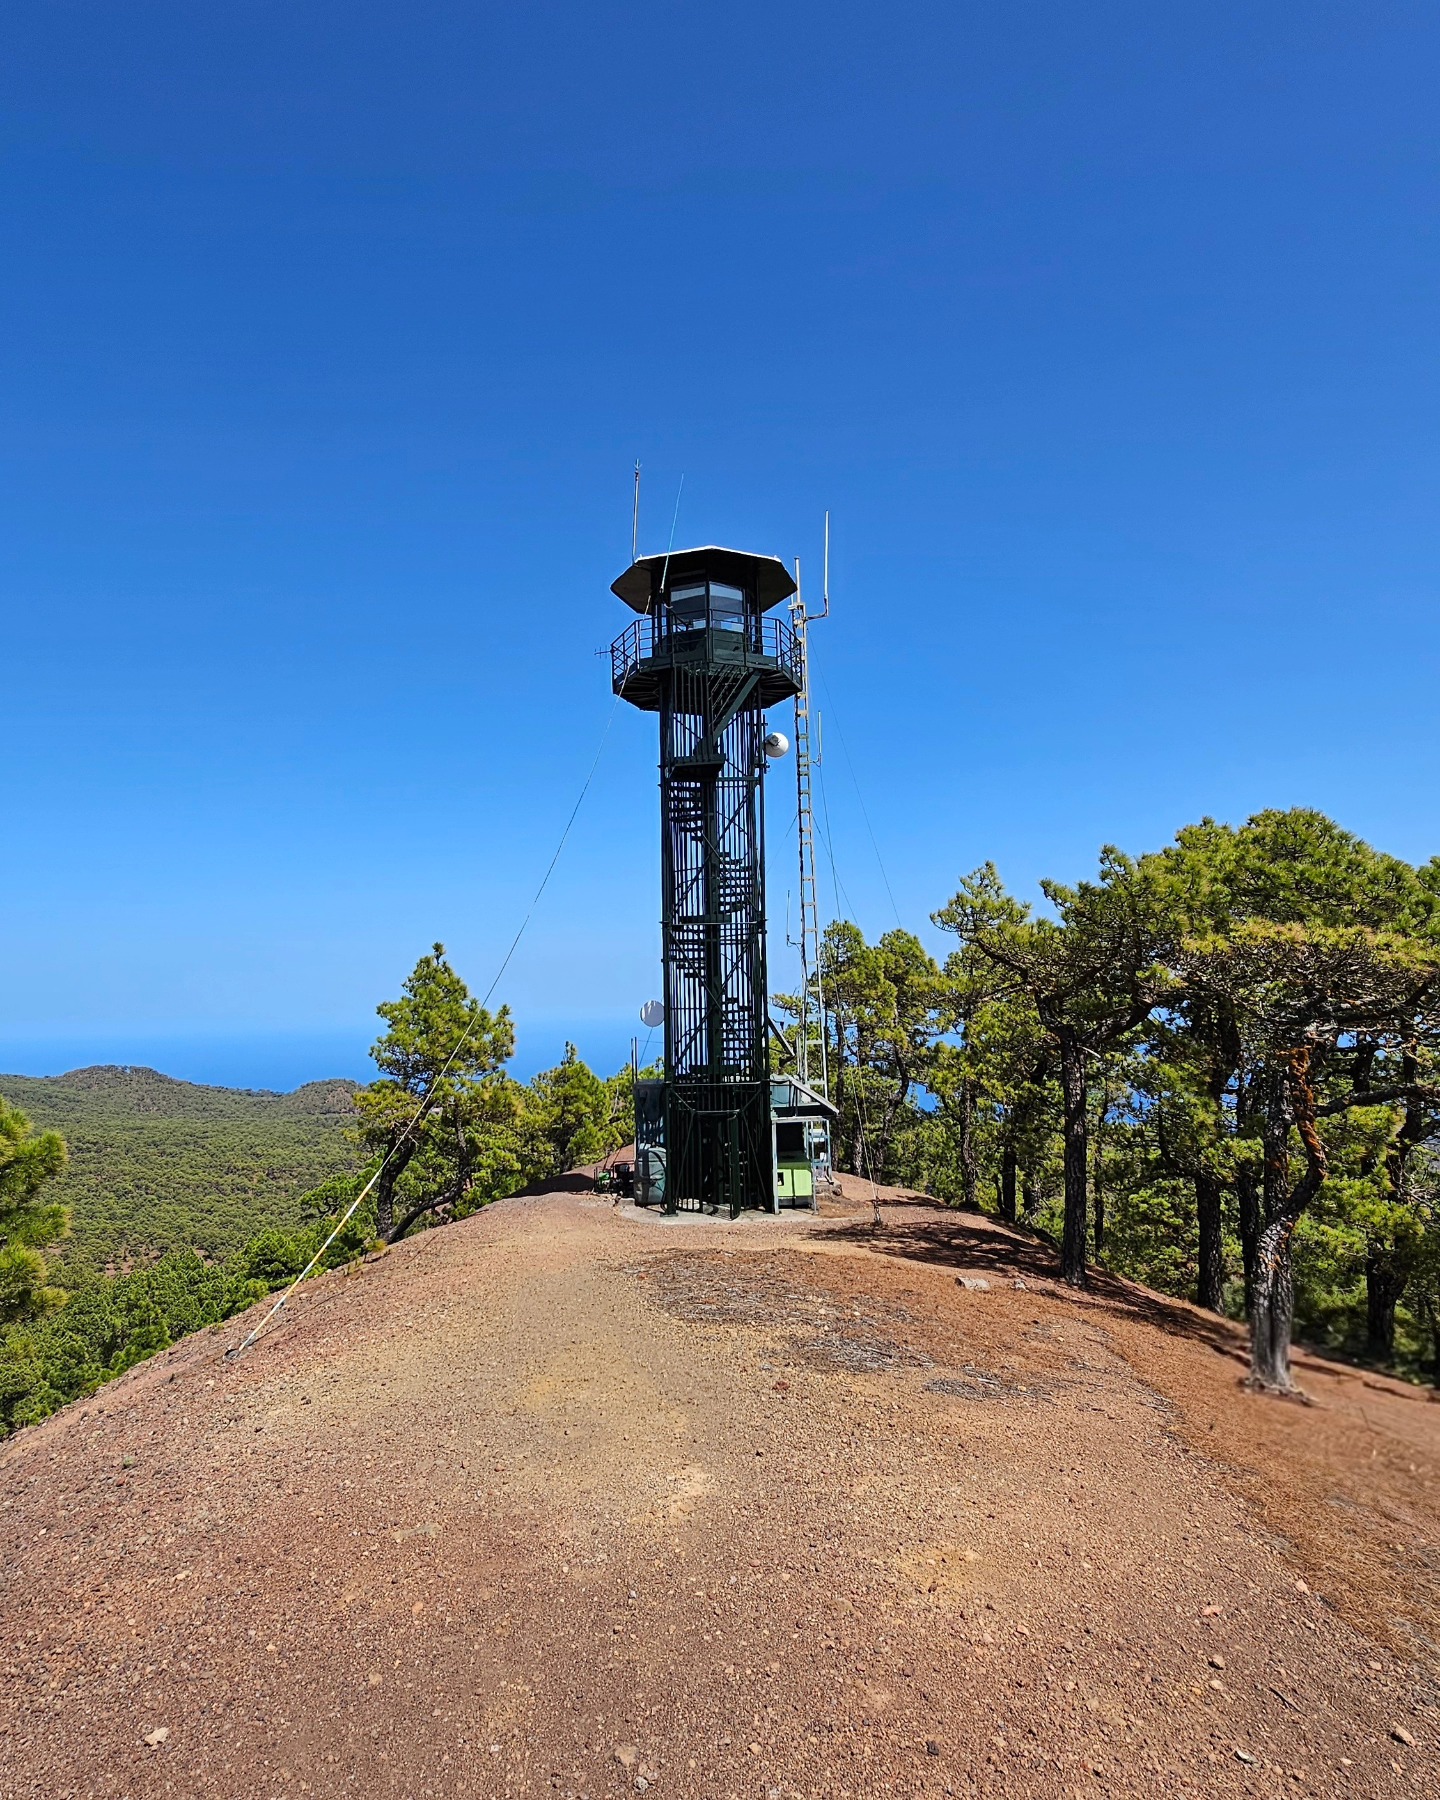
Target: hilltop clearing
pixel 566 1500
pixel 158 1164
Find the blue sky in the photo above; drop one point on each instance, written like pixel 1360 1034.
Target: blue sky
pixel 329 336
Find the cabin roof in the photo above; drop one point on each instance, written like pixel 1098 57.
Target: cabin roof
pixel 788 1094
pixel 766 577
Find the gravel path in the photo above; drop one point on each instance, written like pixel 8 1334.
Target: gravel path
pixel 567 1500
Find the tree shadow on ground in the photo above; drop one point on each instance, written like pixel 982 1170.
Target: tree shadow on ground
pixel 948 1238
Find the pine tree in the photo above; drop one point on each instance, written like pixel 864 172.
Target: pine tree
pixel 29 1224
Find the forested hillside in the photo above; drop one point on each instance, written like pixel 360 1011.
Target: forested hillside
pixel 158 1165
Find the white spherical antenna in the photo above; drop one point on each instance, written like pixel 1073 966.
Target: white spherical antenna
pixel 652 1014
pixel 777 744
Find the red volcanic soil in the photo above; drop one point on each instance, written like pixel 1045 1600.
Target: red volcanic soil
pixel 569 1500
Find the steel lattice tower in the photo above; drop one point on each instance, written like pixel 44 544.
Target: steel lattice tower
pixel 812 989
pixel 704 656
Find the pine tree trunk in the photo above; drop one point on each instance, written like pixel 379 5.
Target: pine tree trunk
pixel 838 1097
pixel 398 1157
pixel 1249 1198
pixel 969 1173
pixel 1072 1084
pixel 384 1207
pixel 880 1149
pixel 1384 1286
pixel 1210 1278
pixel 859 1149
pixel 1272 1310
pixel 1009 1169
pixel 1247 1193
pixel 1272 1302
pixel 1029 1198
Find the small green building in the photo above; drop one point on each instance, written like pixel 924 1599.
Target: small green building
pixel 801 1122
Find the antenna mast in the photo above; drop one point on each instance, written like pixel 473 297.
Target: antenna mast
pixel 812 992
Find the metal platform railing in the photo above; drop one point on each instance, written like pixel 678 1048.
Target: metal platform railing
pixel 762 643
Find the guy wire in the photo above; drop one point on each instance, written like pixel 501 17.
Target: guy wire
pixel 674 521
pixel 865 814
pixel 460 1043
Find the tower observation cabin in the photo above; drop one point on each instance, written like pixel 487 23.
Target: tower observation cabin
pixel 707 657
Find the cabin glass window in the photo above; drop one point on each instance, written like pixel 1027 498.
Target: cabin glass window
pixel 687 606
pixel 727 607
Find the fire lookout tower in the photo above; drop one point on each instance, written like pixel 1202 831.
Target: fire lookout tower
pixel 704 656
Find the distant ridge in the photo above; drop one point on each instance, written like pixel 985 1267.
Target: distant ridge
pixel 148 1090
pixel 160 1164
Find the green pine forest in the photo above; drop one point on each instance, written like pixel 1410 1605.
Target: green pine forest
pixel 1213 1069
pixel 156 1164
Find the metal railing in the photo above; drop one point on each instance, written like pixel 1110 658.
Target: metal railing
pixel 768 642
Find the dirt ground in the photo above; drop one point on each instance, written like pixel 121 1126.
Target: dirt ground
pixel 569 1500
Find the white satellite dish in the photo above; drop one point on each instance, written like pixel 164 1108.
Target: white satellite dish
pixel 777 744
pixel 652 1014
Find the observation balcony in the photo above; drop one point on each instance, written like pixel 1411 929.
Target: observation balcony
pixel 650 653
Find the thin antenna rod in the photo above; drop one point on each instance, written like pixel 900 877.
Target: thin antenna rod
pixel 825 580
pixel 635 523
